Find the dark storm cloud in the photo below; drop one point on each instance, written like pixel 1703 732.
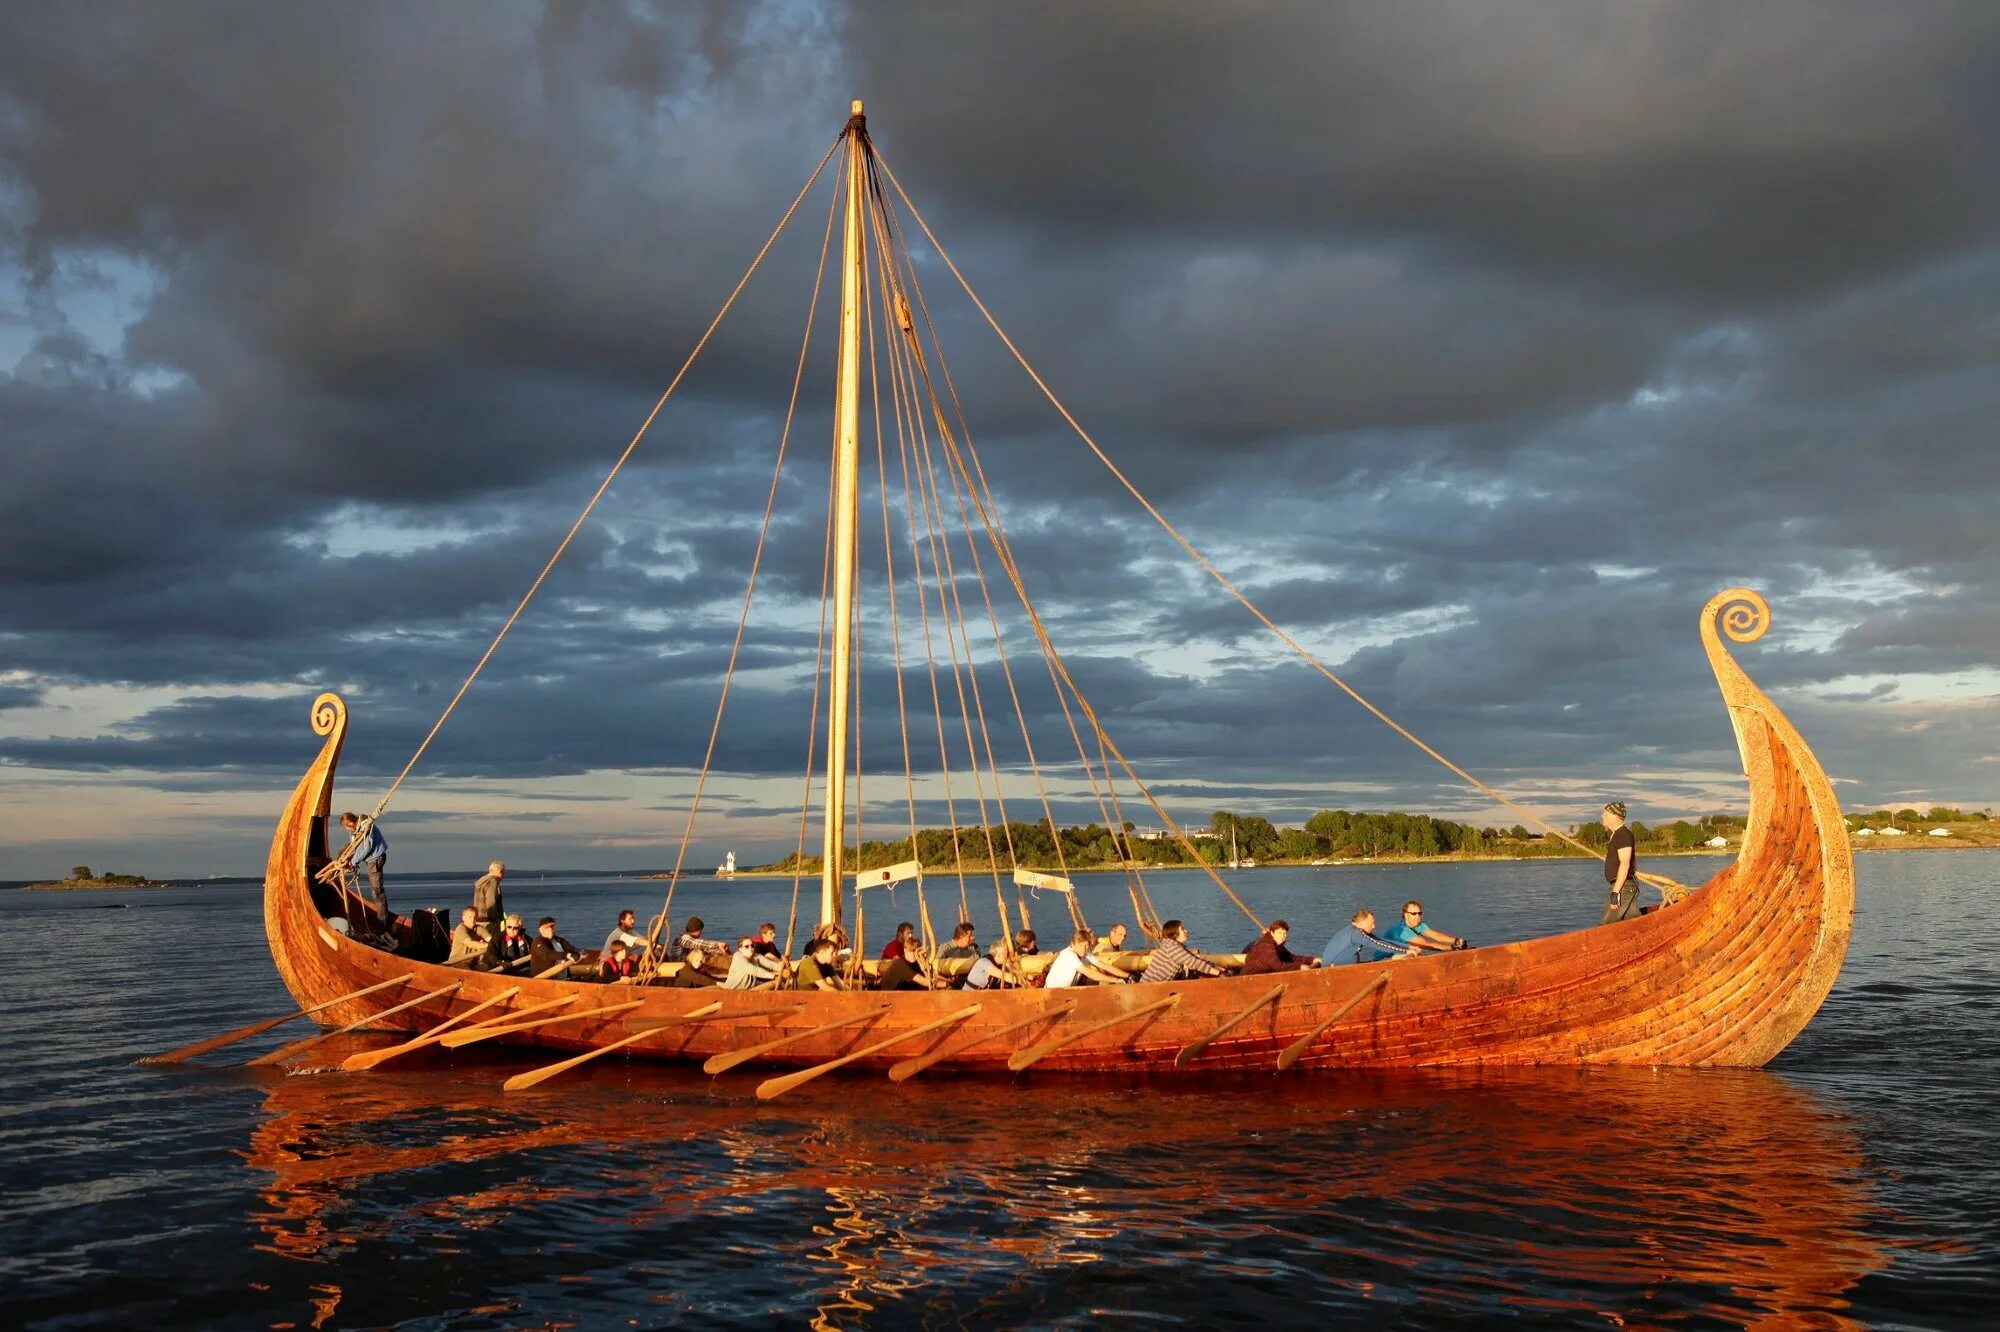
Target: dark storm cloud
pixel 1480 348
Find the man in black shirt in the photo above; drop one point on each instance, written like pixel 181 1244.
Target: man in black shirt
pixel 1621 866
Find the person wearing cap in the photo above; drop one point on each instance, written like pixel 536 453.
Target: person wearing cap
pixel 1621 866
pixel 549 948
pixel 690 937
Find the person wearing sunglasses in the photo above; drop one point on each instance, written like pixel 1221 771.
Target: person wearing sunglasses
pixel 1411 932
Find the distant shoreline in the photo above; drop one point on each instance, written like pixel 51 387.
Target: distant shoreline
pixel 1911 843
pixel 79 885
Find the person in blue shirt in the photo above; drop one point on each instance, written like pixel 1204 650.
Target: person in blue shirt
pixel 1411 932
pixel 1356 942
pixel 368 852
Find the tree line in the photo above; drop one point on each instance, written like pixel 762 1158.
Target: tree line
pixel 1330 834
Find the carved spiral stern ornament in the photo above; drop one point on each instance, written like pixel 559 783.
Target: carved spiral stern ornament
pixel 329 713
pixel 1745 615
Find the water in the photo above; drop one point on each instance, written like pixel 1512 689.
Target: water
pixel 1851 1183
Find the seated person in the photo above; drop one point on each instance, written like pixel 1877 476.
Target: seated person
pixel 623 933
pixel 905 970
pixel 816 969
pixel 1024 943
pixel 1112 942
pixel 1074 967
pixel 690 937
pixel 906 933
pixel 992 972
pixel 833 934
pixel 693 974
pixel 515 945
pixel 766 942
pixel 964 943
pixel 469 940
pixel 1269 953
pixel 1411 932
pixel 549 949
pixel 749 968
pixel 1356 942
pixel 616 963
pixel 1173 960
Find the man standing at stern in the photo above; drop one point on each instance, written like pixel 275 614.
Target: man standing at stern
pixel 368 853
pixel 1621 866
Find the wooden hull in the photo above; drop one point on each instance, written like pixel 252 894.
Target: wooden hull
pixel 1728 976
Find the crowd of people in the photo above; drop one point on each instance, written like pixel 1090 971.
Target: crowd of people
pixel 488 937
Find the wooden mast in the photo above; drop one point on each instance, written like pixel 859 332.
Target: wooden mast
pixel 846 506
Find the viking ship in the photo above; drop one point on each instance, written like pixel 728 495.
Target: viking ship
pixel 1726 973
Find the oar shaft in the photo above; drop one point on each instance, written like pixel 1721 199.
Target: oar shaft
pixel 909 1068
pixel 493 1026
pixel 256 1028
pixel 367 1059
pixel 501 1027
pixel 1193 1048
pixel 1299 1047
pixel 1023 1059
pixel 722 1063
pixel 522 1081
pixel 774 1087
pixel 297 1047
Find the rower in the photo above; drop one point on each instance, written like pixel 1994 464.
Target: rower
pixel 1172 959
pixel 1411 932
pixel 1073 965
pixel 1356 942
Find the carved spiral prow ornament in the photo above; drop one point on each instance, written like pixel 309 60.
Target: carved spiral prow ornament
pixel 329 714
pixel 1745 615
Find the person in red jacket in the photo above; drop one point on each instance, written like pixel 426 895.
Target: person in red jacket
pixel 617 963
pixel 1269 953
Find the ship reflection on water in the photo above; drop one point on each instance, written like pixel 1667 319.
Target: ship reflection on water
pixel 652 1194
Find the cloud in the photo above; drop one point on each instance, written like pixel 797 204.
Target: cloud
pixel 1479 352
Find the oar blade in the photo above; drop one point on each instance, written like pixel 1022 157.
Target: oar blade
pixel 217 1042
pixel 772 1088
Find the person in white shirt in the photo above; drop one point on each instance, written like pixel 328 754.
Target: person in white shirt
pixel 990 972
pixel 622 933
pixel 1073 965
pixel 749 968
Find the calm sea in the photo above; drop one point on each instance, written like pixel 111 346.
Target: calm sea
pixel 1854 1182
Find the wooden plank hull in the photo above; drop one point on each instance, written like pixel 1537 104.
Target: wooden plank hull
pixel 1727 976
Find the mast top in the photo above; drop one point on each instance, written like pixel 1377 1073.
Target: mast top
pixel 854 107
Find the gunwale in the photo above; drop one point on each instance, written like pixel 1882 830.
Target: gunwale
pixel 1727 976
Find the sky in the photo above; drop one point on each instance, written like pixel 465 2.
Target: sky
pixel 1480 344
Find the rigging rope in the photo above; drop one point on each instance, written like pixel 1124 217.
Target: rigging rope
pixel 1201 559
pixel 610 476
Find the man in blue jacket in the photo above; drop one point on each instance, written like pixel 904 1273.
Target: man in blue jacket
pixel 1356 942
pixel 368 852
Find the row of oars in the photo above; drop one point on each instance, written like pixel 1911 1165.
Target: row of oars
pixel 454 1033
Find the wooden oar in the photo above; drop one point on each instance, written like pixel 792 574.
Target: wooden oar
pixel 1304 1043
pixel 231 1037
pixel 367 1059
pixel 1022 1059
pixel 458 1038
pixel 522 1081
pixel 1193 1048
pixel 771 1088
pixel 296 1047
pixel 909 1068
pixel 722 1063
pixel 494 1026
pixel 650 1024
